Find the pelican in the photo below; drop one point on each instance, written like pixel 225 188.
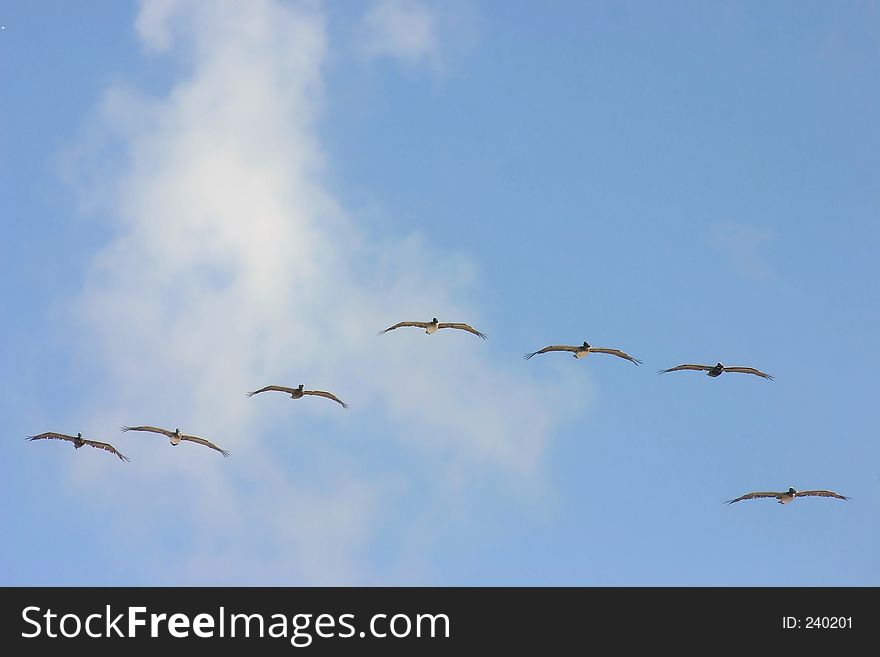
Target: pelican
pixel 787 496
pixel 78 441
pixel 298 393
pixel 176 437
pixel 718 369
pixel 433 325
pixel 583 350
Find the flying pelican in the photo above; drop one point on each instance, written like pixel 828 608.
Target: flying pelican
pixel 298 393
pixel 176 437
pixel 583 350
pixel 716 370
pixel 78 441
pixel 787 496
pixel 433 325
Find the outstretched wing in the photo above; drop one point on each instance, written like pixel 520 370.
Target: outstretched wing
pixel 820 493
pixel 756 495
pixel 552 347
pixel 206 443
pixel 423 325
pixel 702 368
pixel 52 435
pixel 748 370
pixel 463 327
pixel 616 352
pixel 268 388
pixel 106 446
pixel 164 432
pixel 328 395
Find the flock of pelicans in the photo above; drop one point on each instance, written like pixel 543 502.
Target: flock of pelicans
pixel 578 351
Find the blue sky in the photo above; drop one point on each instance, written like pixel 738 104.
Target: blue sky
pixel 199 199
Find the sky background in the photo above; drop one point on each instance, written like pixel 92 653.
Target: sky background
pixel 198 199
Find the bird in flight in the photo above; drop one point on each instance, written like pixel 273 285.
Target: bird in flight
pixel 718 369
pixel 298 393
pixel 78 441
pixel 583 350
pixel 785 497
pixel 434 325
pixel 176 437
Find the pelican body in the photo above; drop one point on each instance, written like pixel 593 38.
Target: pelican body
pixel 718 369
pixel 787 496
pixel 583 350
pixel 434 325
pixel 784 497
pixel 299 392
pixel 78 441
pixel 175 437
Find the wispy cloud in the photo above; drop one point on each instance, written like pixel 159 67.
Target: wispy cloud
pixel 744 247
pixel 402 29
pixel 233 267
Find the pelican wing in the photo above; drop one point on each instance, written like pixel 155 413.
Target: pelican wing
pixel 206 443
pixel 106 446
pixel 616 352
pixel 702 368
pixel 552 347
pixel 53 435
pixel 756 495
pixel 272 388
pixel 748 370
pixel 820 493
pixel 423 325
pixel 463 327
pixel 164 432
pixel 328 395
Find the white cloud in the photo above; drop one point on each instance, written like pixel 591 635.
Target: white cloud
pixel 233 267
pixel 153 23
pixel 404 29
